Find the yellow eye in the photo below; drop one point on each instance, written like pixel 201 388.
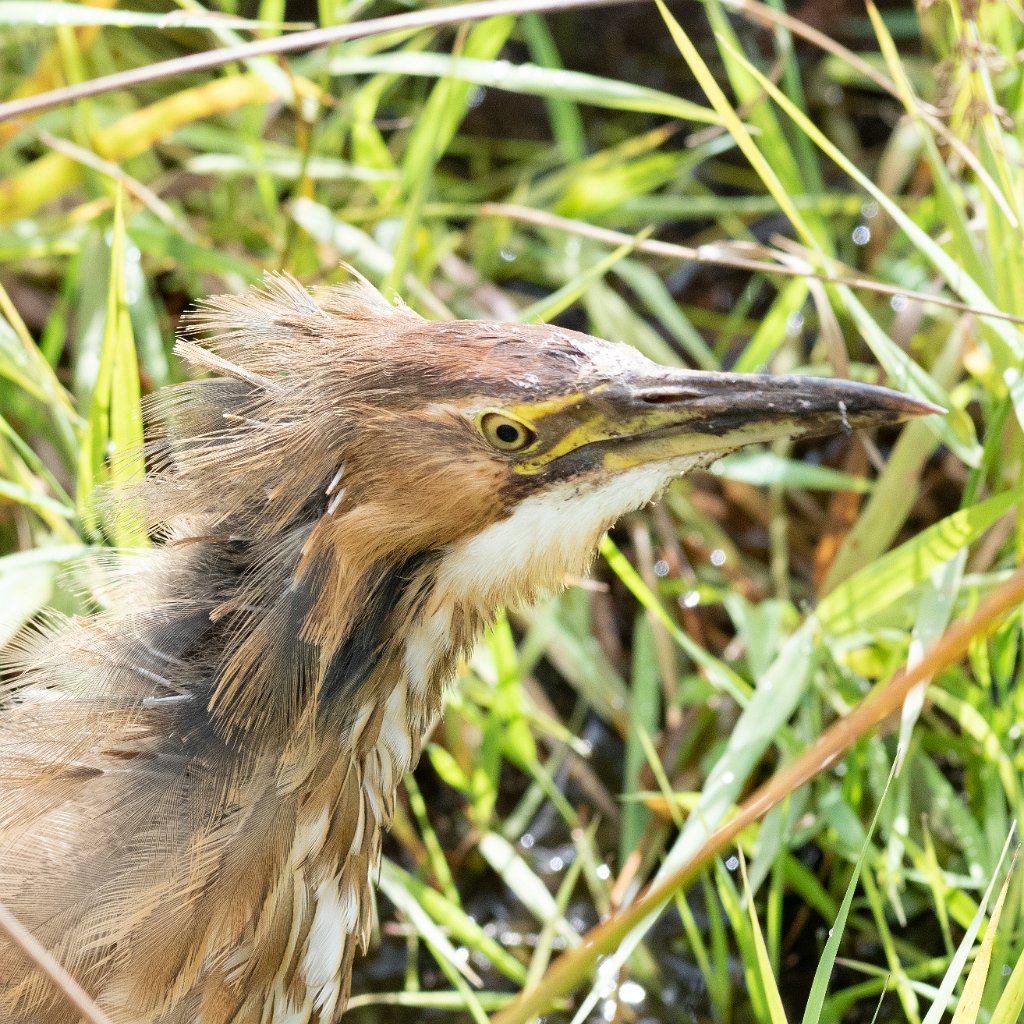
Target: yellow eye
pixel 505 433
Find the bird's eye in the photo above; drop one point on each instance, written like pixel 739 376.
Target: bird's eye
pixel 505 433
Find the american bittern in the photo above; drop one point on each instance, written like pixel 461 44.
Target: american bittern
pixel 193 785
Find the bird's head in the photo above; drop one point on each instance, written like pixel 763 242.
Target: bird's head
pixel 349 443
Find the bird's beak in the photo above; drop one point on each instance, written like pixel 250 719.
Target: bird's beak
pixel 674 414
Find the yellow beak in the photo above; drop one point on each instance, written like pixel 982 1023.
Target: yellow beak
pixel 675 413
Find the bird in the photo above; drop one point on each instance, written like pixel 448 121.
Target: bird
pixel 195 781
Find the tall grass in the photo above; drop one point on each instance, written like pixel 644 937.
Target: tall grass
pixel 723 187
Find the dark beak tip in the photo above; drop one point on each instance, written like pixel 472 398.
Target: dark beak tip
pixel 888 404
pixel 922 407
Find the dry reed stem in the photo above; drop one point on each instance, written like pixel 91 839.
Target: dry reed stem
pixel 297 42
pixel 44 960
pixel 725 254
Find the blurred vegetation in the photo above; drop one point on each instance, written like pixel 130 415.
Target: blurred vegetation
pixel 866 161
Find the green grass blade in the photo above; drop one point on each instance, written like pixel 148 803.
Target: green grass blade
pixel 732 121
pixel 524 883
pixel 554 84
pixel 457 922
pixel 433 133
pixel 766 469
pixel 566 123
pixel 889 578
pixel 823 972
pixel 959 959
pixel 558 301
pixel 1011 1001
pixel 111 450
pixel 934 611
pixel 969 1006
pixel 765 971
pixel 644 716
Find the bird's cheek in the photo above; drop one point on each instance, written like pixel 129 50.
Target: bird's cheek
pixel 575 464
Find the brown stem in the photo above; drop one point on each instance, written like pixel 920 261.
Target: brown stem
pixel 297 42
pixel 725 254
pixel 44 960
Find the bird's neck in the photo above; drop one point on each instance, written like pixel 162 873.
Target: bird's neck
pixel 250 833
pixel 268 643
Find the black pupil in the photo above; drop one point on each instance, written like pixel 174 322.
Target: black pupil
pixel 507 434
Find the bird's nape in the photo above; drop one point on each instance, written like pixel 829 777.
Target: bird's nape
pixel 208 767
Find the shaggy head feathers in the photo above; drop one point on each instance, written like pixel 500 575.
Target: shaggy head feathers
pixel 306 489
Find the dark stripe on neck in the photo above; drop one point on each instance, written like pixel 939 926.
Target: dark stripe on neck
pixel 354 662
